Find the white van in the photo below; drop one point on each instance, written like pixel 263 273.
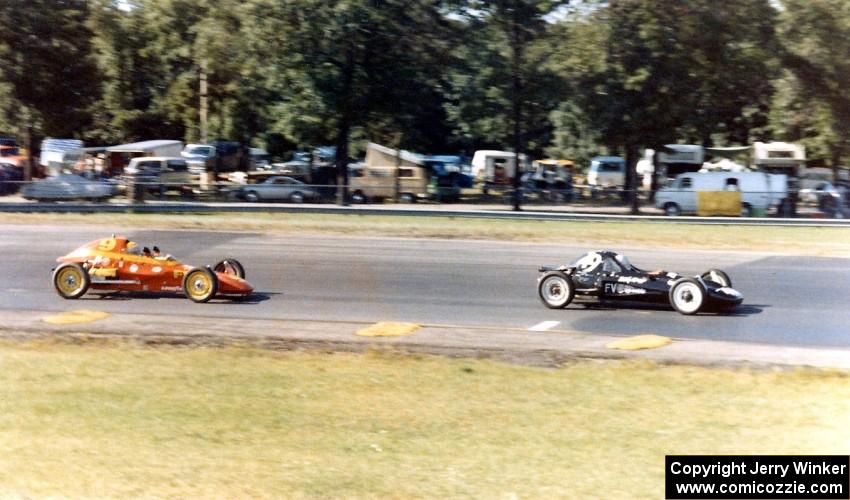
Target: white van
pixel 607 172
pixel 759 190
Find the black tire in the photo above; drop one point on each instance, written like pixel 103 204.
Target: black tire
pixel 230 266
pixel 746 210
pixel 296 197
pixel 672 210
pixel 556 290
pixel 688 296
pixel 252 196
pixel 717 276
pixel 200 284
pixel 71 281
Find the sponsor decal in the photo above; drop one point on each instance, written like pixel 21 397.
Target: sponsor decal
pixel 172 288
pixel 134 268
pixel 157 269
pixel 632 279
pixel 622 289
pixel 178 273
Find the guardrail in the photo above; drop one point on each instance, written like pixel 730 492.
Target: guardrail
pixel 207 208
pixel 578 203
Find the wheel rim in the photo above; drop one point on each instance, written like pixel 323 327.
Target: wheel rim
pixel 297 198
pixel 199 285
pixel 555 290
pixel 251 196
pixel 672 210
pixel 69 281
pixel 687 297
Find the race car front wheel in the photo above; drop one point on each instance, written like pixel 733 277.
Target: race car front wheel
pixel 200 284
pixel 717 276
pixel 556 290
pixel 687 296
pixel 71 280
pixel 230 266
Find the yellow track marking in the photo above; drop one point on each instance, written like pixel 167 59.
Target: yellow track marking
pixel 640 342
pixel 388 329
pixel 71 317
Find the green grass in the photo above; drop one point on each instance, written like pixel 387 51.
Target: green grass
pixel 826 241
pixel 113 421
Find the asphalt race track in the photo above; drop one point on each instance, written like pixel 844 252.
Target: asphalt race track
pixel 788 300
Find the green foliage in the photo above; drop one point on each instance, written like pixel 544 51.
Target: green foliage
pixel 432 76
pixel 48 73
pixel 814 106
pixel 503 75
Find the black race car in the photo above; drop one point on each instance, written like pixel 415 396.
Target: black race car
pixel 608 276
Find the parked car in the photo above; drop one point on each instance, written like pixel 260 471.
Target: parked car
pixel 10 178
pixel 160 174
pixel 379 183
pixel 759 190
pixel 277 188
pixel 551 179
pixel 833 199
pixel 607 172
pixel 68 187
pixel 199 157
pixel 220 156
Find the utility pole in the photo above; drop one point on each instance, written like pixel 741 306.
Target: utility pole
pixel 204 105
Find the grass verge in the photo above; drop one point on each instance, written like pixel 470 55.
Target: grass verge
pixel 113 421
pixel 823 241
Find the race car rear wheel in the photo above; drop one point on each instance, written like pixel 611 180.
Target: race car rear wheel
pixel 717 276
pixel 556 290
pixel 71 280
pixel 200 284
pixel 687 296
pixel 230 266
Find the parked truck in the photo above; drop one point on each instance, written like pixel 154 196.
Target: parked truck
pixel 744 193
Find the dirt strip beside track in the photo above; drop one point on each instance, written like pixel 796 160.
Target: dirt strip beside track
pixel 550 348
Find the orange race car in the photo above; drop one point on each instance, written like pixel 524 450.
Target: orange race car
pixel 118 264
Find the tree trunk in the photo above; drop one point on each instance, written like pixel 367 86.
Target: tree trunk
pixel 344 128
pixel 341 161
pixel 516 63
pixel 30 140
pixel 631 178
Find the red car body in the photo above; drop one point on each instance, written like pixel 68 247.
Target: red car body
pixel 117 264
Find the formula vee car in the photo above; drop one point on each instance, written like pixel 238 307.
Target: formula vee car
pixel 608 276
pixel 118 264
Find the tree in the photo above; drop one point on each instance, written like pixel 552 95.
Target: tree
pixel 513 85
pixel 679 70
pixel 359 63
pixel 816 42
pixel 48 71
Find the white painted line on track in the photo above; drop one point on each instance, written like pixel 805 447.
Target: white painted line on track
pixel 544 325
